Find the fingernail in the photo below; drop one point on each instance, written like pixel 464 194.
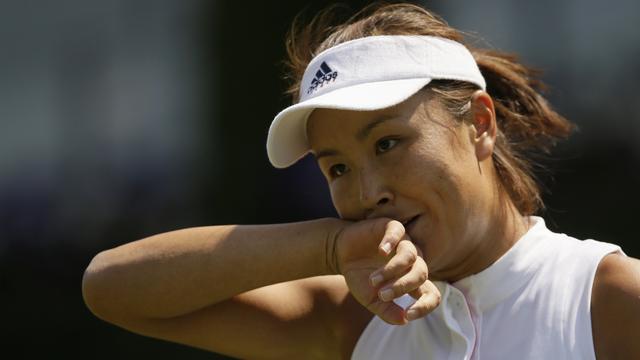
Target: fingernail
pixel 412 314
pixel 376 279
pixel 386 247
pixel 386 295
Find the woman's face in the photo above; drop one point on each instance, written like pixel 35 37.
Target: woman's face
pixel 414 163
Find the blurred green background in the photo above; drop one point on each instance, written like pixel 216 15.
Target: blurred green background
pixel 125 118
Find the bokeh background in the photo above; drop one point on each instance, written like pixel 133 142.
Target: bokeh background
pixel 120 119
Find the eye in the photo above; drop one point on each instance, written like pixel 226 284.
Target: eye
pixel 385 145
pixel 337 170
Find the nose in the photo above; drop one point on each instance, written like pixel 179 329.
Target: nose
pixel 373 192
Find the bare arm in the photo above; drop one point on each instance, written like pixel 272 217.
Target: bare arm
pixel 178 272
pixel 615 308
pixel 207 287
pixel 256 291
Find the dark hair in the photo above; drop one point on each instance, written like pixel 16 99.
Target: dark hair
pixel 526 123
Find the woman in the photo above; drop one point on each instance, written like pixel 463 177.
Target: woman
pixel 436 254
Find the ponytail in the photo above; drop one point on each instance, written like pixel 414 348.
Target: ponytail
pixel 526 125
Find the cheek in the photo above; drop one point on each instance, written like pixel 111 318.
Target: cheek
pixel 434 178
pixel 343 201
pixel 420 166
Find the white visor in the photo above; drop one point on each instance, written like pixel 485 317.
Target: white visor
pixel 370 73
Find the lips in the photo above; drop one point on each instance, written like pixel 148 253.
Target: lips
pixel 409 223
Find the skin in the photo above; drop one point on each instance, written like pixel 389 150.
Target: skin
pixel 415 160
pixel 184 286
pixel 615 308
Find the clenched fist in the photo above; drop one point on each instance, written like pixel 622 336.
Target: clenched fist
pixel 380 263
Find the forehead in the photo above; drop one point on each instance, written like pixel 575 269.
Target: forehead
pixel 328 125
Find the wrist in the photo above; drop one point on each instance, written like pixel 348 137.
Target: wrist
pixel 334 230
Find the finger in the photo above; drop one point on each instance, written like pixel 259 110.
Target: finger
pixel 428 298
pixel 404 258
pixel 427 286
pixel 390 312
pixel 420 253
pixel 408 282
pixel 394 232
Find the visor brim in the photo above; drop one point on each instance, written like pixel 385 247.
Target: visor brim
pixel 287 139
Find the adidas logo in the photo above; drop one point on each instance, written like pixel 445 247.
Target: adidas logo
pixel 324 75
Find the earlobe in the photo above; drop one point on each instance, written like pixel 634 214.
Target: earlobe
pixel 484 146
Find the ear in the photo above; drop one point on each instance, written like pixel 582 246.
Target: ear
pixel 483 125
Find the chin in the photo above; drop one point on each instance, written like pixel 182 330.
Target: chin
pixel 420 235
pixel 432 252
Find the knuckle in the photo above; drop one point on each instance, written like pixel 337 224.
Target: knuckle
pixel 407 246
pixel 400 286
pixel 410 257
pixel 421 309
pixel 422 267
pixel 402 263
pixel 428 300
pixel 437 297
pixel 422 277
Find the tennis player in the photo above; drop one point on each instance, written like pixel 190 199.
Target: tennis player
pixel 438 253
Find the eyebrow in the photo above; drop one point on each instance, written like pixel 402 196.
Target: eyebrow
pixel 366 130
pixel 361 135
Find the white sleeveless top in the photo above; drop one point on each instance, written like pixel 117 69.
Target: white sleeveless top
pixel 532 303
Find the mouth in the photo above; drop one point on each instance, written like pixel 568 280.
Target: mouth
pixel 408 223
pixel 410 231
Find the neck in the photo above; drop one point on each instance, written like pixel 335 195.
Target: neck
pixel 506 227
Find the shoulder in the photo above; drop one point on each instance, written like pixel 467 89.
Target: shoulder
pixel 615 307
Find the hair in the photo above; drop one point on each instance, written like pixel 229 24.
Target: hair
pixel 526 123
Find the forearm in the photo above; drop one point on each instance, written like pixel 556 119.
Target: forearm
pixel 178 272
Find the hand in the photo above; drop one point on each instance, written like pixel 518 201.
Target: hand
pixel 380 263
